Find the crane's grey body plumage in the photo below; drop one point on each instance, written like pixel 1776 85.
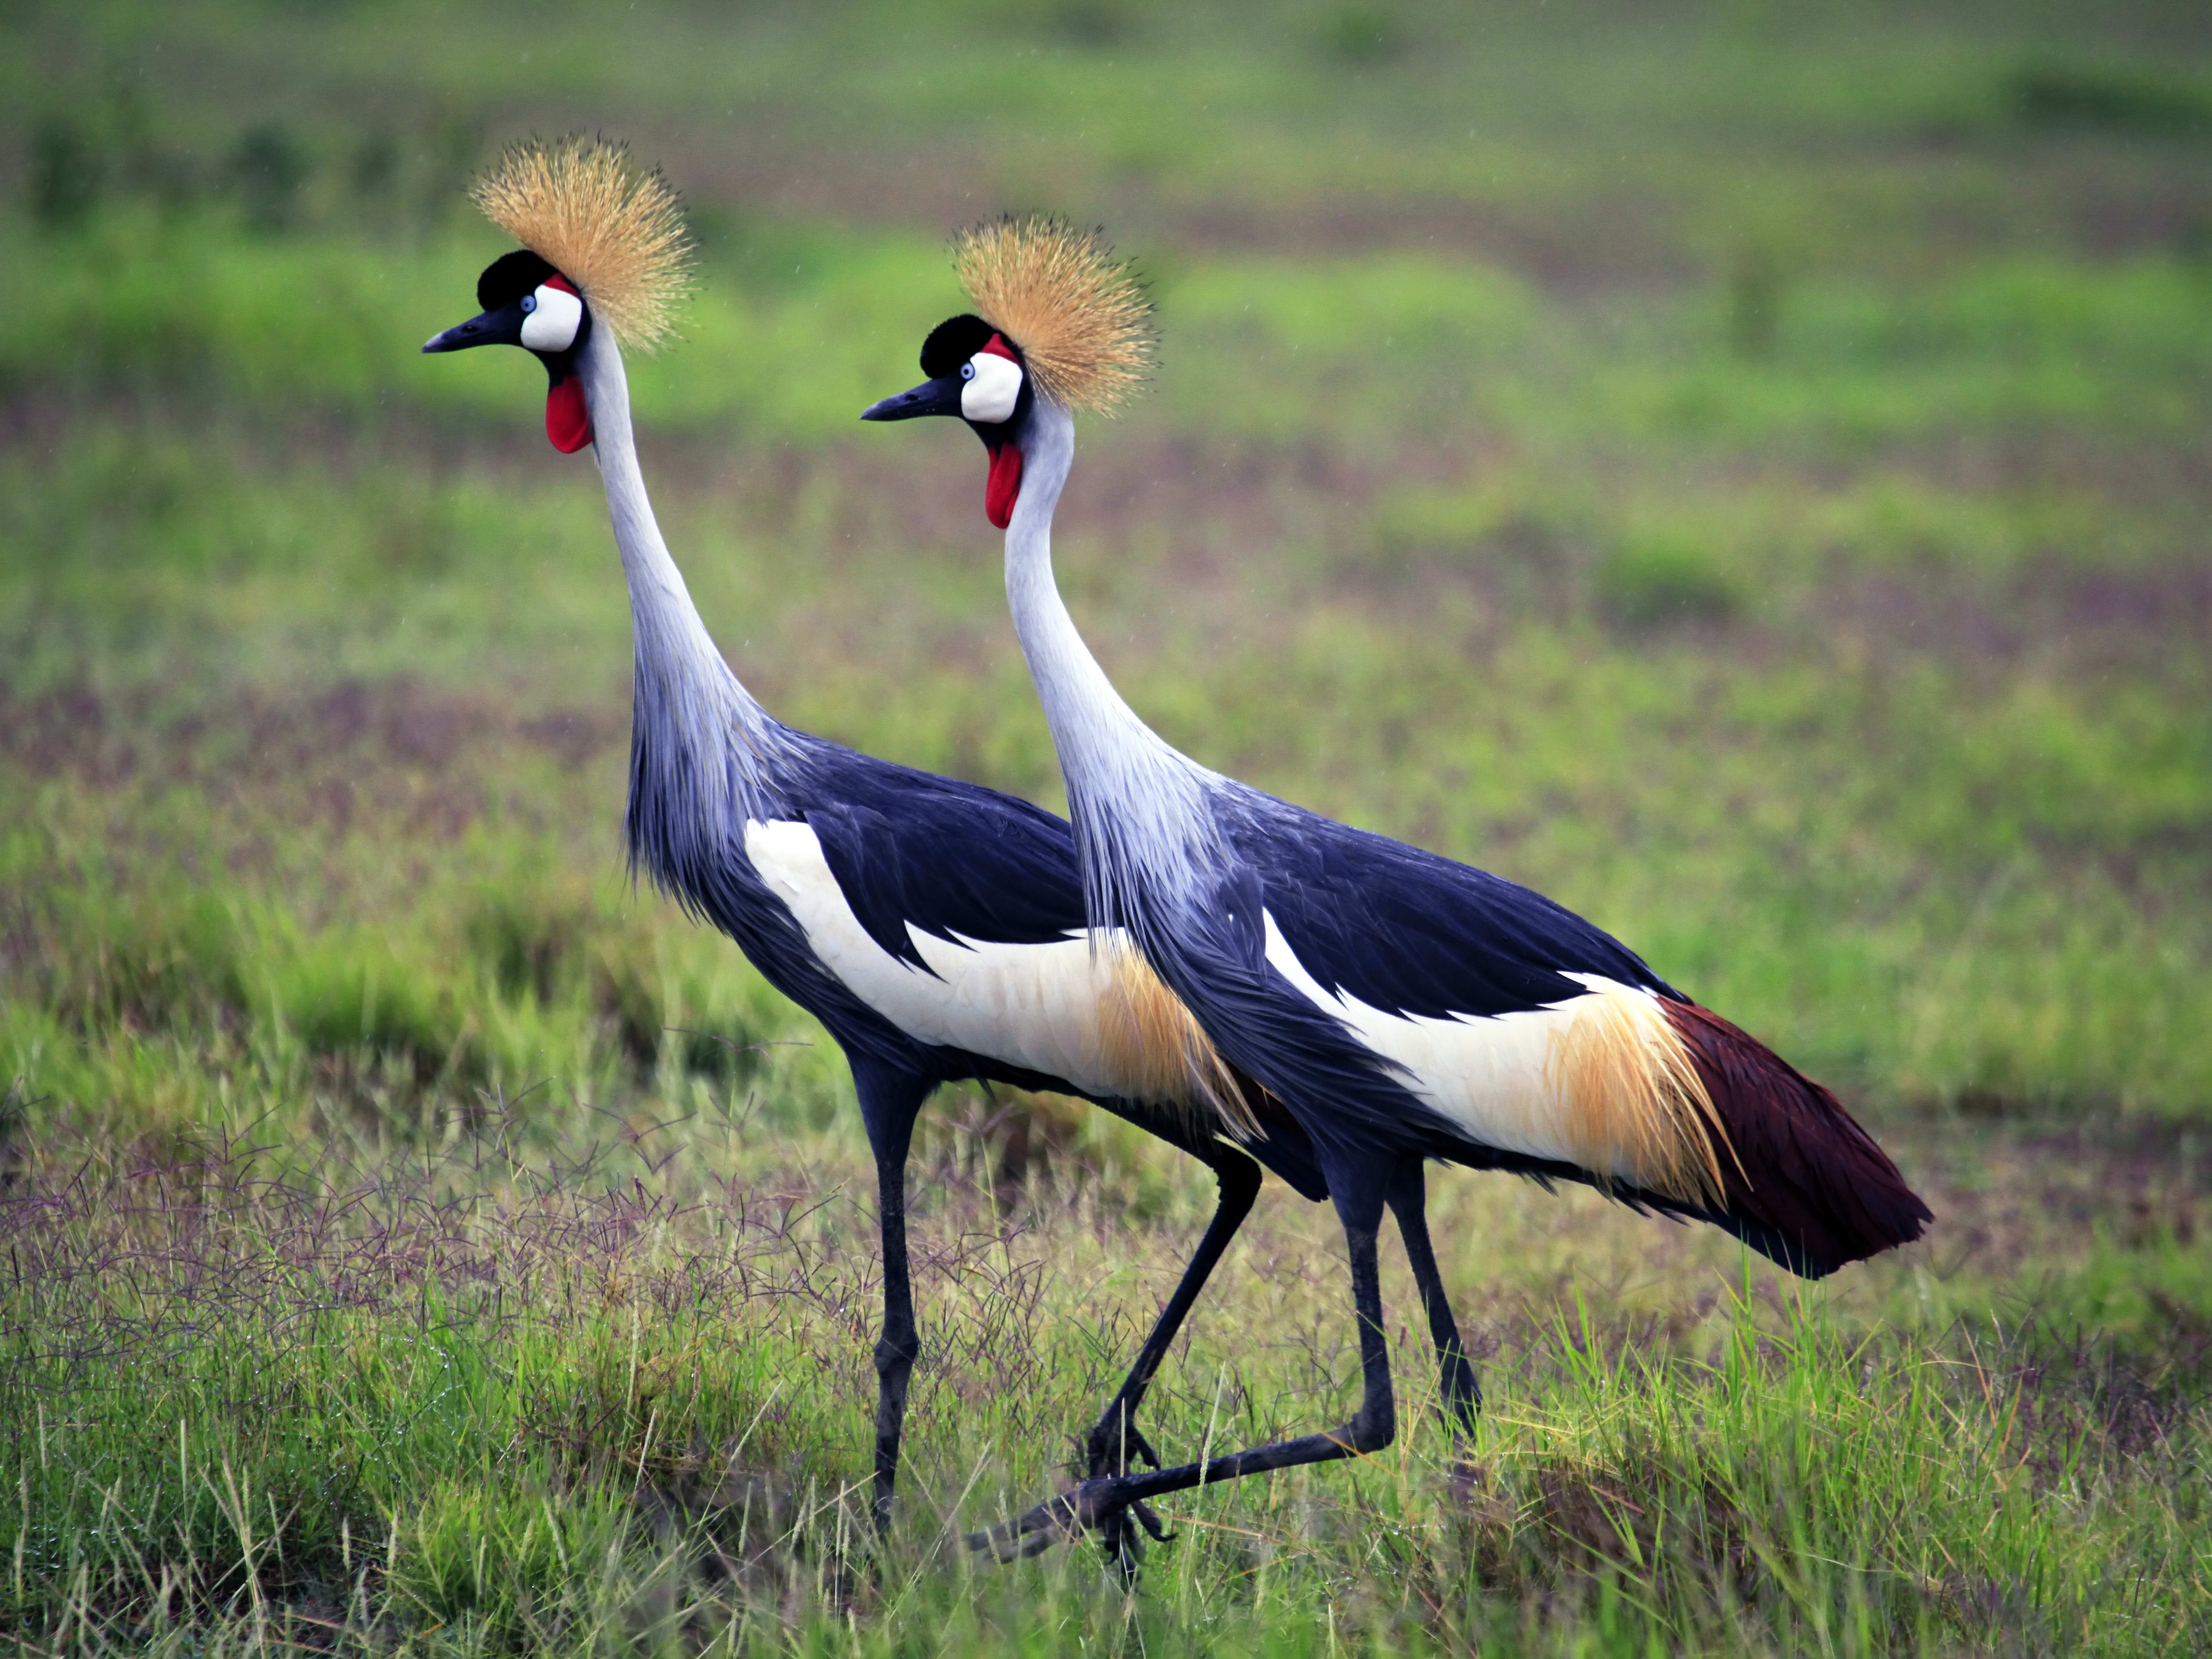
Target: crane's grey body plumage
pixel 1401 1007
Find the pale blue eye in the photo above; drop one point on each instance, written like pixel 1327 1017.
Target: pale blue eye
pixel 529 303
pixel 967 371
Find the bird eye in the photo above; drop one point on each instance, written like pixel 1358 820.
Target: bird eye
pixel 529 303
pixel 967 371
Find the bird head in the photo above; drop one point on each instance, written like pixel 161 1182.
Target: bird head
pixel 527 303
pixel 976 372
pixel 1068 323
pixel 602 246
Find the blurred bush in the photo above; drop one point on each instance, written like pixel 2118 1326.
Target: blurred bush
pixel 67 172
pixel 1362 35
pixel 268 169
pixel 1651 583
pixel 2052 94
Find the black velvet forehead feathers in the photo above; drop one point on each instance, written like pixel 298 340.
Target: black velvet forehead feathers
pixel 510 276
pixel 953 341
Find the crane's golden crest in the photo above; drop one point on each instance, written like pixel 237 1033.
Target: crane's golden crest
pixel 615 232
pixel 1084 327
pixel 1633 1099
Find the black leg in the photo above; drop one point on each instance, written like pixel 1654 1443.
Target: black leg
pixel 888 1102
pixel 1359 1197
pixel 1462 1395
pixel 1116 1435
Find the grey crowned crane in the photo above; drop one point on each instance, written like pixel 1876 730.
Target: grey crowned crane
pixel 1399 1006
pixel 934 926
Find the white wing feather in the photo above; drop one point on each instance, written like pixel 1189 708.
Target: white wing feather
pixel 1031 1005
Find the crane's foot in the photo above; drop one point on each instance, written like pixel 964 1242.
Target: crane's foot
pixel 1113 1442
pixel 1102 1506
pixel 1123 1544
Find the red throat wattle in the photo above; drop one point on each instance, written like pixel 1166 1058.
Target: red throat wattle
pixel 1004 486
pixel 567 423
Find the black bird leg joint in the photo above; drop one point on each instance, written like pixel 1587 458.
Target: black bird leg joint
pixel 1105 1503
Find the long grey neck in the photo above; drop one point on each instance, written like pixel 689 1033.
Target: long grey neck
pixel 1143 830
pixel 699 743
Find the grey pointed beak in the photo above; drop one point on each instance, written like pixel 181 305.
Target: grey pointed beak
pixel 939 397
pixel 501 327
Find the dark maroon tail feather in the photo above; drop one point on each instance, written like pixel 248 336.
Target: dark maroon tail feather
pixel 1804 1177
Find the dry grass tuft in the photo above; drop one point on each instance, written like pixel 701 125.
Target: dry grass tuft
pixel 617 234
pixel 1084 325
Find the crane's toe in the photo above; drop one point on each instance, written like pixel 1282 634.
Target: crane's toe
pixel 1103 1504
pixel 1146 1513
pixel 1031 1534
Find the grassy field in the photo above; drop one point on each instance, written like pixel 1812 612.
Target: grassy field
pixel 1740 470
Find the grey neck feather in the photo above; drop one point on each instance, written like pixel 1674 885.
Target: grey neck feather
pixel 700 744
pixel 1142 824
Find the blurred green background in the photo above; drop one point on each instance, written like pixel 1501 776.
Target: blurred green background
pixel 1740 469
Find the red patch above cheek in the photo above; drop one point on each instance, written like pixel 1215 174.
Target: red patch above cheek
pixel 1004 486
pixel 567 423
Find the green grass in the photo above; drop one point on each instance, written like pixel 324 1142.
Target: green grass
pixel 1739 472
pixel 496 1399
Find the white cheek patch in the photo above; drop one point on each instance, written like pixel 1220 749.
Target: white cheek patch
pixel 553 325
pixel 991 395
